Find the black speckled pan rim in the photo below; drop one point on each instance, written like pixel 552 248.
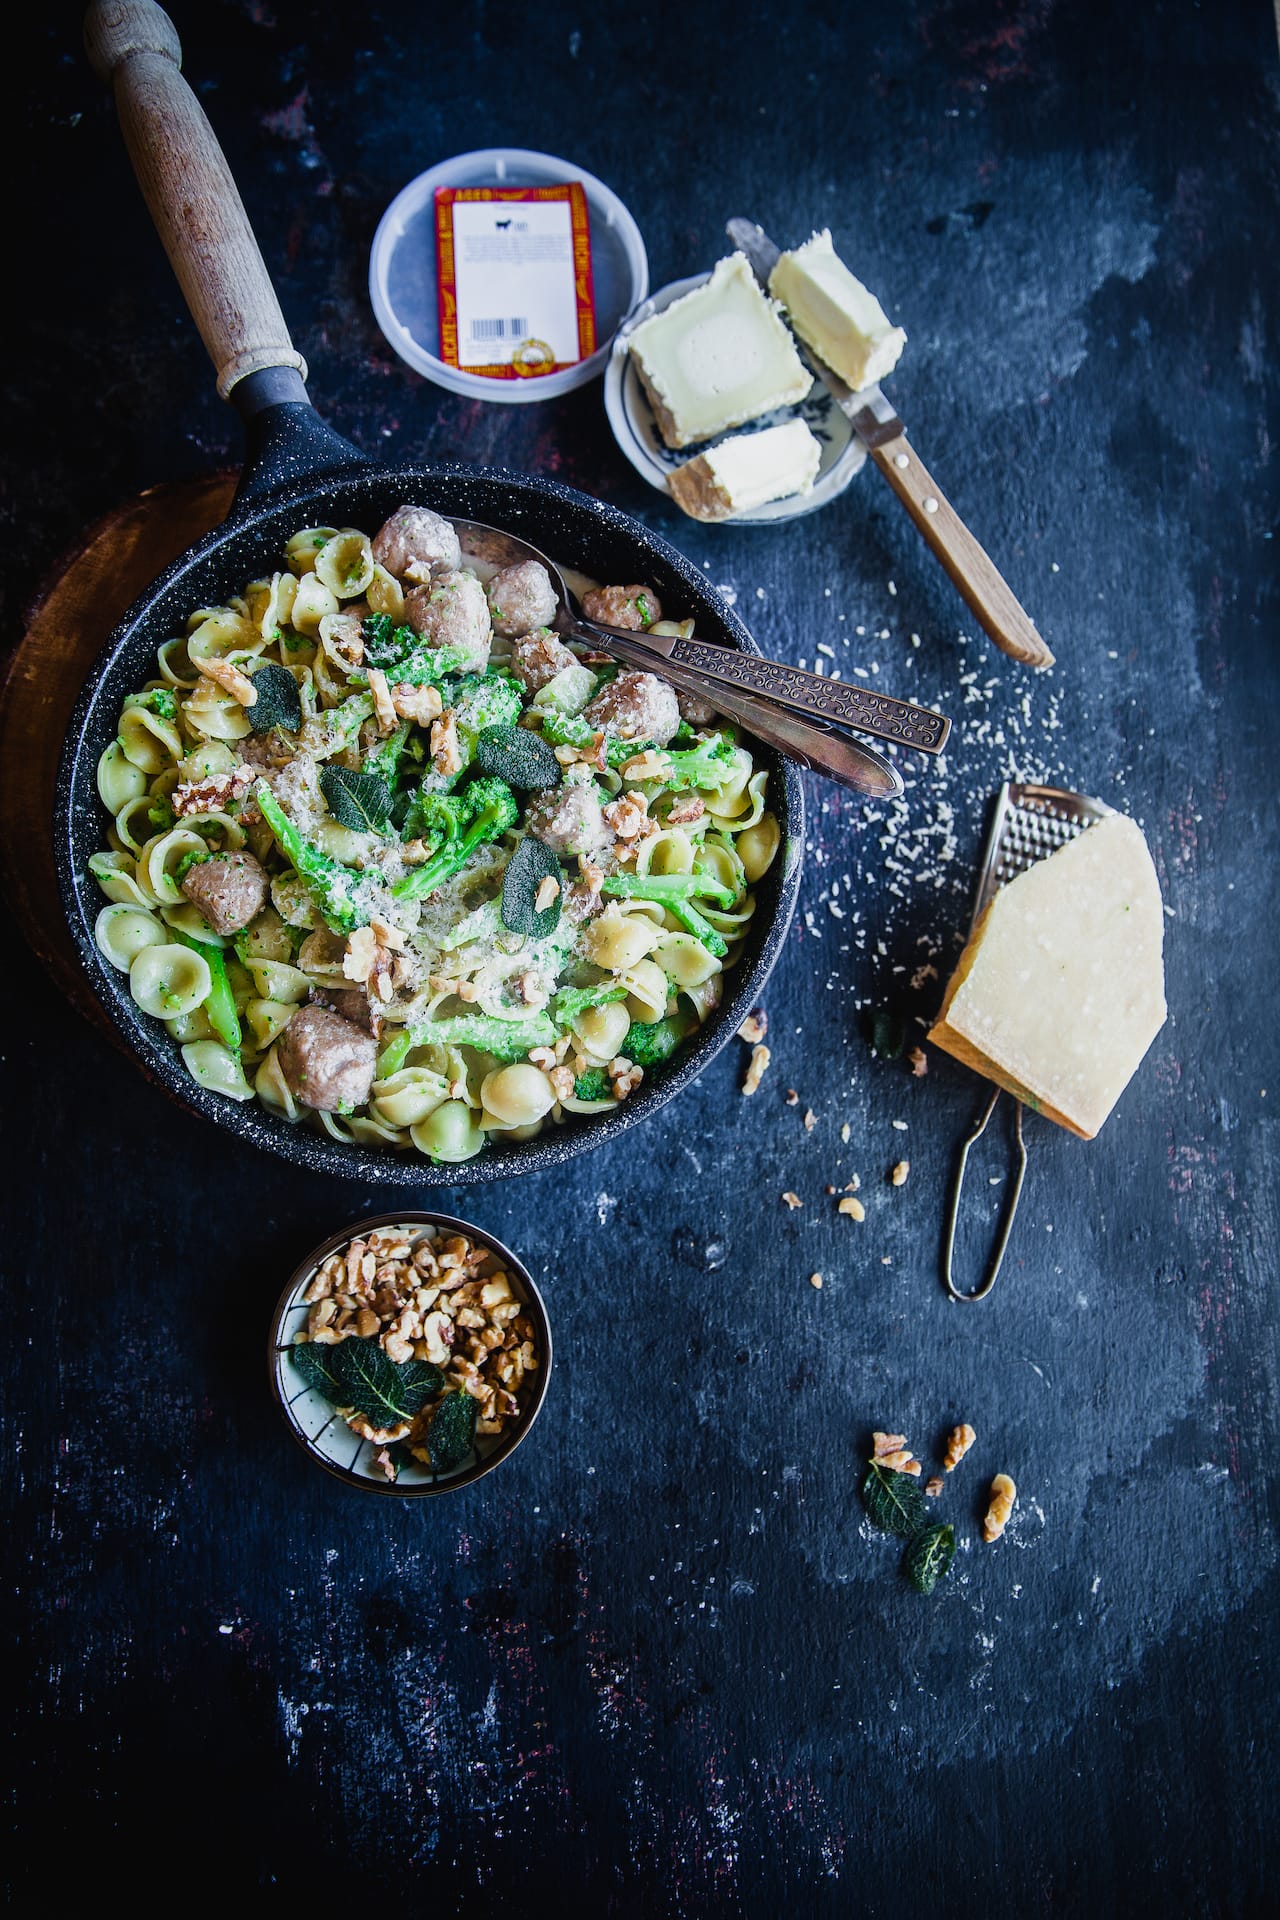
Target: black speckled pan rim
pixel 575 529
pixel 447 1223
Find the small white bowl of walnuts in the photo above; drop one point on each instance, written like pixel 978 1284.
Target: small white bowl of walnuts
pixel 410 1353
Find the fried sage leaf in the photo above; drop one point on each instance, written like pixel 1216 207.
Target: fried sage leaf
pixel 361 801
pixel 279 704
pixel 929 1556
pixel 521 758
pixel 894 1501
pixel 383 1390
pixel 528 867
pixel 887 1034
pixel 451 1431
pixel 315 1364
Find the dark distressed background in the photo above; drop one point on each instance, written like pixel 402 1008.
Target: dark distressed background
pixel 660 1663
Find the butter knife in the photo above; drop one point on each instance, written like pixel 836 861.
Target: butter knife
pixel 877 426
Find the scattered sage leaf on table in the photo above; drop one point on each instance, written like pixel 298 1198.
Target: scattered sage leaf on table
pixel 887 1034
pixel 528 867
pixel 894 1501
pixel 279 703
pixel 929 1556
pixel 451 1431
pixel 314 1363
pixel 383 1390
pixel 522 758
pixel 361 801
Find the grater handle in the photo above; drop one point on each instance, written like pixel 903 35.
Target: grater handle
pixel 1010 1207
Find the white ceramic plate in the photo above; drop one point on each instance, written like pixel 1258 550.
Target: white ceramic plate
pixel 636 431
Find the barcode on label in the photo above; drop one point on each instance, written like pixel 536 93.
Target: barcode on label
pixel 500 329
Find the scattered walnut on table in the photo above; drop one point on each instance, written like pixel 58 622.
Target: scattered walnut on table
pixel 792 1200
pixel 760 1058
pixel 899 1175
pixel 933 1486
pixel 754 1027
pixel 1003 1495
pixel 851 1207
pixel 959 1441
pixel 891 1450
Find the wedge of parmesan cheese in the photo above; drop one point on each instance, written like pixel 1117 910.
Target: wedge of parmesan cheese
pixel 835 314
pixel 717 357
pixel 746 471
pixel 1060 990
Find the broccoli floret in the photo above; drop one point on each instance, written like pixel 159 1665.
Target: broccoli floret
pixel 592 1085
pixel 162 701
pixel 329 884
pixel 707 764
pixel 571 730
pixel 333 730
pixel 481 700
pixel 646 1044
pixel 404 655
pixel 677 892
pixel 504 1039
pixel 220 1003
pixel 384 759
pixel 438 818
pixel 572 1001
pixel 491 811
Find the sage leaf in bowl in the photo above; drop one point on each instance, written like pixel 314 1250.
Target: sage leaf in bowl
pixel 384 1391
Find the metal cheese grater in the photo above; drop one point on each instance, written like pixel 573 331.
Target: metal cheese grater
pixel 1029 823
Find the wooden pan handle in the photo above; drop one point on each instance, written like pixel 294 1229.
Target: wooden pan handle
pixel 980 583
pixel 188 187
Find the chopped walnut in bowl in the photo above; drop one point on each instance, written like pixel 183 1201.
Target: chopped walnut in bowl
pixel 410 1353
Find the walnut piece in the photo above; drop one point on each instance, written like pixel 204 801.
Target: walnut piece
pixel 900 1172
pixel 754 1027
pixel 891 1450
pixel 1003 1495
pixel 959 1441
pixel 760 1058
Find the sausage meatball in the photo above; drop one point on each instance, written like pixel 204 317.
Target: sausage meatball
pixel 539 657
pixel 633 608
pixel 636 706
pixel 699 713
pixel 453 612
pixel 327 1062
pixel 415 542
pixel 569 819
pixel 521 598
pixel 230 890
pixel 354 1005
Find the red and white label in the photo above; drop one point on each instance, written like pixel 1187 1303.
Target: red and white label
pixel 514 273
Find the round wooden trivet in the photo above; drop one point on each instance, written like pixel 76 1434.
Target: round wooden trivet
pixel 67 626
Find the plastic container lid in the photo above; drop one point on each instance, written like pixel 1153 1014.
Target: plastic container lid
pixel 402 268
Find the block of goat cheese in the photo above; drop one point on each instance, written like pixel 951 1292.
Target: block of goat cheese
pixel 835 314
pixel 1060 990
pixel 717 357
pixel 746 471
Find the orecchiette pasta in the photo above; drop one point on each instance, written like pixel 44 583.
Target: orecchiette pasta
pixel 313 883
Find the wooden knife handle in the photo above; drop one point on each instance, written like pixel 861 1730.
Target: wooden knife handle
pixel 188 188
pixel 980 583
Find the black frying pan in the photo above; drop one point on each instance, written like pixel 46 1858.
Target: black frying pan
pixel 298 472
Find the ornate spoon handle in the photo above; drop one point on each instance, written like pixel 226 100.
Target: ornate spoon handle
pixel 838 702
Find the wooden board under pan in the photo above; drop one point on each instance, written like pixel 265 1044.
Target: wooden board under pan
pixel 67 624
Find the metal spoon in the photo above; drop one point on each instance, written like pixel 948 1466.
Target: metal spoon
pixel 765 695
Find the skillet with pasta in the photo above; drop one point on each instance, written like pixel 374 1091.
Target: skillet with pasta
pixel 390 857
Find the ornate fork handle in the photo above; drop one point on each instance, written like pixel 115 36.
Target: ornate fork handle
pixel 840 701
